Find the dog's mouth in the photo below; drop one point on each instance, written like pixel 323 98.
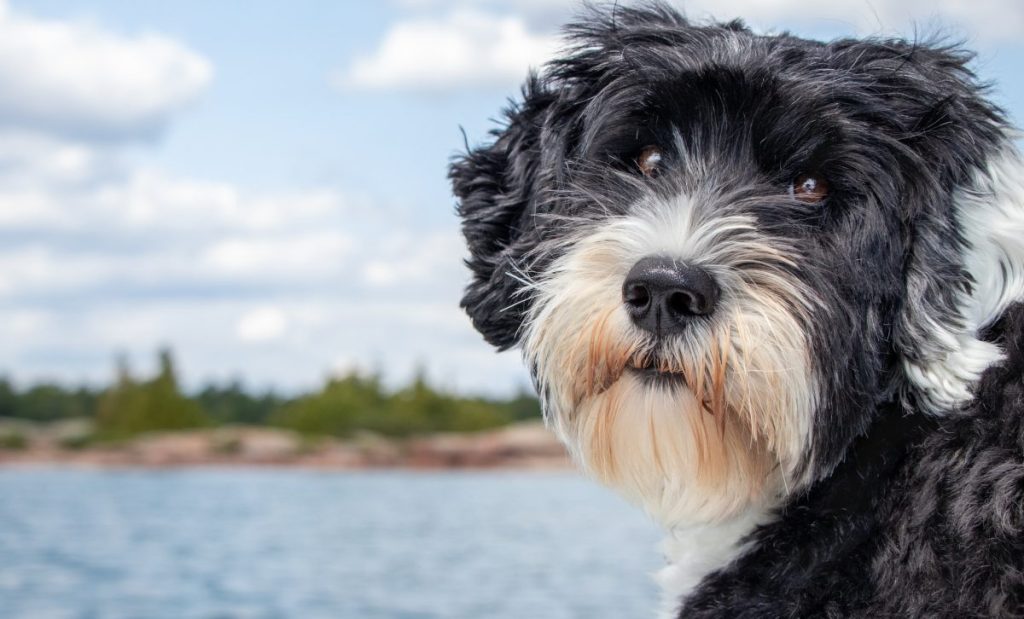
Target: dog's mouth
pixel 651 371
pixel 656 375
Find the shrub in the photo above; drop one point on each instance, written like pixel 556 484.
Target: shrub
pixel 12 440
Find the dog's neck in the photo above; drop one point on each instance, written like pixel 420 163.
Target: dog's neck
pixel 694 551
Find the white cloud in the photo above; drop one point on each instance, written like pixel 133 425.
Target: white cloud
pixel 74 78
pixel 102 254
pixel 151 199
pixel 291 257
pixel 464 49
pixel 146 228
pixel 19 209
pixel 492 43
pixel 36 159
pixel 272 287
pixel 290 344
pixel 539 13
pixel 403 259
pixel 262 325
pixel 980 19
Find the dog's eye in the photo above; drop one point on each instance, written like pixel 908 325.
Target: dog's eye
pixel 809 188
pixel 649 161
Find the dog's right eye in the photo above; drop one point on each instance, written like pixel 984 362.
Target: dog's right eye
pixel 649 161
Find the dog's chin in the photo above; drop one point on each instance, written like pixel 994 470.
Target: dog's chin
pixel 649 437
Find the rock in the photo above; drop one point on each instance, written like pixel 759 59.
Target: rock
pixel 522 444
pixel 526 445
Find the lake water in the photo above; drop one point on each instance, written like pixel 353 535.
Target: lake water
pixel 269 543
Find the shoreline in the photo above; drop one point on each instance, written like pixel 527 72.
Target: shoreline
pixel 524 446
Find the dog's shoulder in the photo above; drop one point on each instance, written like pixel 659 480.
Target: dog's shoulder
pixel 999 400
pixel 953 539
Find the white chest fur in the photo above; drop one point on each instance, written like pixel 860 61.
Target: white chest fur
pixel 695 551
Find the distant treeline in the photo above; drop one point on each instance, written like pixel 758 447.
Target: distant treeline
pixel 345 405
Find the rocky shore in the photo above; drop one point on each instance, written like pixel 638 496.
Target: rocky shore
pixel 520 446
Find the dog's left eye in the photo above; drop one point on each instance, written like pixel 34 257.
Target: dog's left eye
pixel 649 161
pixel 809 188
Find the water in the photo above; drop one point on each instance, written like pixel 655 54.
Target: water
pixel 215 544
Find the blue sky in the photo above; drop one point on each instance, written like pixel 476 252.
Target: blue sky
pixel 261 185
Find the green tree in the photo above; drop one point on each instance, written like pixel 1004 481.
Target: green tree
pixel 131 407
pixel 438 411
pixel 356 402
pixel 339 409
pixel 49 402
pixel 232 404
pixel 45 402
pixel 523 406
pixel 343 406
pixel 8 399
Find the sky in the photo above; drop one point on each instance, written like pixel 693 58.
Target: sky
pixel 261 185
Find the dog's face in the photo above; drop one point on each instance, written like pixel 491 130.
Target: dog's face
pixel 720 252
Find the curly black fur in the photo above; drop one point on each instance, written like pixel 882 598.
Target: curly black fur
pixel 910 511
pixel 924 518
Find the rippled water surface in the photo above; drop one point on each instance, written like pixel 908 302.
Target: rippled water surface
pixel 261 544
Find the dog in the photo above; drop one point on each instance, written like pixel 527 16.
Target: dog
pixel 770 289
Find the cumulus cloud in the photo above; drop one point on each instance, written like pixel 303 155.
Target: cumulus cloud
pixel 982 19
pixel 147 226
pixel 405 60
pixel 463 49
pixel 403 257
pixel 222 339
pixel 35 159
pixel 74 78
pixel 101 253
pixel 305 254
pixel 262 325
pixel 275 287
pixel 474 44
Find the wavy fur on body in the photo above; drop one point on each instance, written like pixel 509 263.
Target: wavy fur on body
pixel 843 435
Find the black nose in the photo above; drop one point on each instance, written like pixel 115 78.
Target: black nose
pixel 663 295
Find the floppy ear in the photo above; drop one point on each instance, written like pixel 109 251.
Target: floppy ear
pixel 963 218
pixel 497 186
pixel 945 317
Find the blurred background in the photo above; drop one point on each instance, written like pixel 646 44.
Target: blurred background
pixel 234 377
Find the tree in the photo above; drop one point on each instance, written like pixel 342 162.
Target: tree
pixel 337 409
pixel 232 404
pixel 8 399
pixel 130 407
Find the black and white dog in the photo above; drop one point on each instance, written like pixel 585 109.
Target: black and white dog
pixel 770 290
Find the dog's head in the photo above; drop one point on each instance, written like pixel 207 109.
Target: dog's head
pixel 720 251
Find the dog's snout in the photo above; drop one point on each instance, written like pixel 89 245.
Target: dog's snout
pixel 662 295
